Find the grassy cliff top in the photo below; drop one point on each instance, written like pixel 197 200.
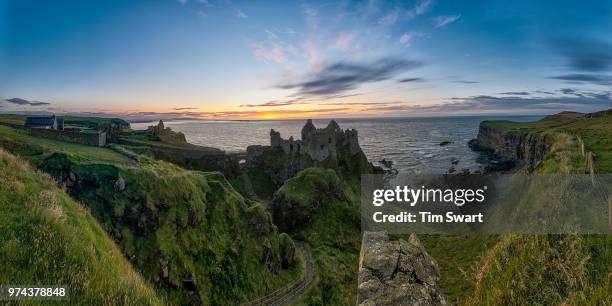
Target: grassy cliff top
pixel 595 130
pixel 33 147
pixel 47 238
pixel 551 269
pixel 91 122
pixel 564 121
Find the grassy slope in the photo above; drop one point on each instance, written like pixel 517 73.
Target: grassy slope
pixel 37 148
pixel 594 129
pixel 91 122
pixel 332 231
pixel 49 239
pixel 192 219
pixel 553 269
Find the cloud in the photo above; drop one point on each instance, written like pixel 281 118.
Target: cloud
pixel 466 82
pixel 342 76
pixel 185 108
pixel 343 40
pixel 300 100
pixel 515 93
pixel 20 101
pixel 389 19
pixel 565 99
pixel 580 78
pixel 407 38
pixel 396 14
pixel 442 21
pixel 270 103
pixel 544 92
pixel 272 52
pixel 411 80
pixel 362 103
pixel 585 54
pixel 569 91
pixel 419 9
pixel 492 104
pixel 182 1
pixel 241 14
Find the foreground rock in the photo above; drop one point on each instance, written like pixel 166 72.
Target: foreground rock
pixel 397 272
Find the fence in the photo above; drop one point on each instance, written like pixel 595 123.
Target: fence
pixel 590 168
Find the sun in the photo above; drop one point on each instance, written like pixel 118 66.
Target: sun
pixel 269 116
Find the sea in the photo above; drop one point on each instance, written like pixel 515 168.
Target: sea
pixel 412 144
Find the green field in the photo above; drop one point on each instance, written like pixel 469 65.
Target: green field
pixel 37 148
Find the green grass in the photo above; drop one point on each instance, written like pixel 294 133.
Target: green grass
pixel 12 119
pixel 456 257
pixel 332 230
pixel 20 142
pixel 195 221
pixel 48 239
pixel 144 140
pixel 594 129
pixel 96 123
pixel 552 269
pixel 254 184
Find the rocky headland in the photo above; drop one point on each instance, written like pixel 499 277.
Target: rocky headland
pixel 504 150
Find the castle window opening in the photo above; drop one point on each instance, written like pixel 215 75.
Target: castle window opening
pixel 322 146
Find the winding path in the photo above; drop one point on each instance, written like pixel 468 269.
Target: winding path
pixel 284 295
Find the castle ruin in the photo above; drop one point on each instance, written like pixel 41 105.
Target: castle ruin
pixel 319 144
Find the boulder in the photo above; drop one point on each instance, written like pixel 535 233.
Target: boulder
pixel 119 184
pixel 397 272
pixel 287 250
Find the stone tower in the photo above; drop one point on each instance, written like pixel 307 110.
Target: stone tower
pixel 308 130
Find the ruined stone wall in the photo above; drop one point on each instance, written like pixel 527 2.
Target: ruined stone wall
pixel 319 144
pixel 91 139
pixel 284 158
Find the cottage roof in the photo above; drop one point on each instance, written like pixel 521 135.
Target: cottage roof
pixel 40 121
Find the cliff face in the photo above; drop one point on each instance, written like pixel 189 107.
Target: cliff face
pixel 527 148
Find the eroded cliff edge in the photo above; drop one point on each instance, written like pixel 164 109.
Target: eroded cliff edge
pixel 509 148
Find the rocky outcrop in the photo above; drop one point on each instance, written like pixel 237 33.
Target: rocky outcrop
pixel 397 272
pixel 287 249
pixel 511 146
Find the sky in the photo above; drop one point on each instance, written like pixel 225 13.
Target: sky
pixel 302 59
